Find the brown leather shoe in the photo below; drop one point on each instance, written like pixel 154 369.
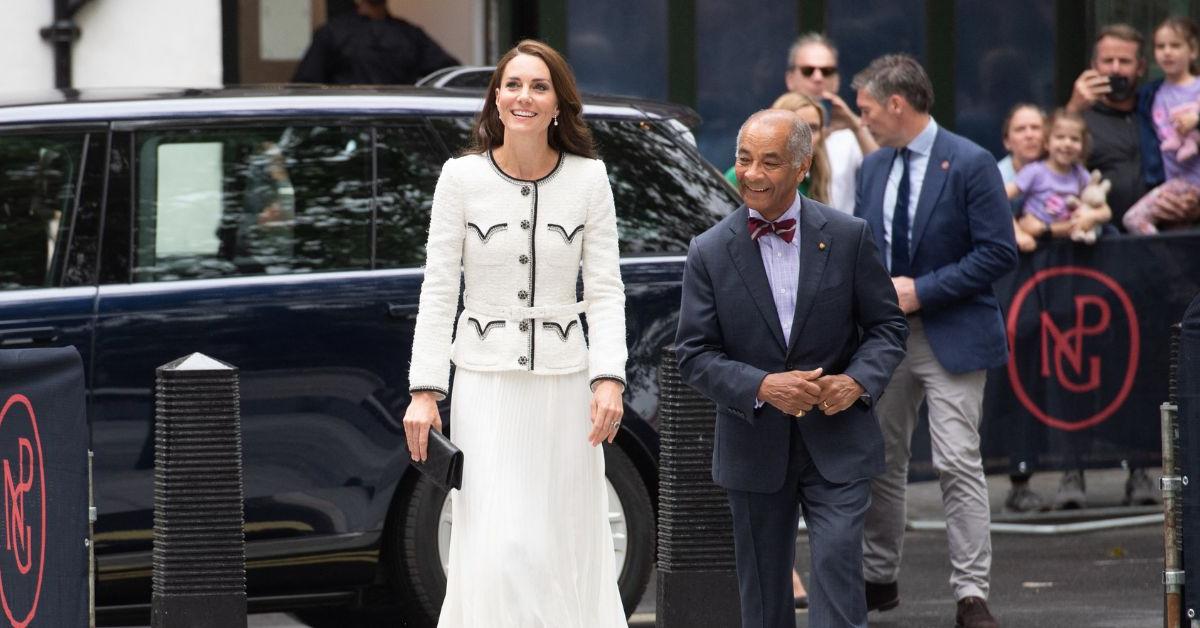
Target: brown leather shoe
pixel 973 613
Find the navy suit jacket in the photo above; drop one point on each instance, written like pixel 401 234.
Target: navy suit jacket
pixel 847 320
pixel 962 241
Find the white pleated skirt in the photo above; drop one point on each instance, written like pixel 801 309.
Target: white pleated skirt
pixel 530 544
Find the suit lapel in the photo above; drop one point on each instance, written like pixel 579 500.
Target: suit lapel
pixel 748 262
pixel 814 251
pixel 931 188
pixel 874 215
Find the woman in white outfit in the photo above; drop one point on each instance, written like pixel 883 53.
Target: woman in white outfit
pixel 522 213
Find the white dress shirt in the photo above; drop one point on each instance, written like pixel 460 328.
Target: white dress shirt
pixel 845 159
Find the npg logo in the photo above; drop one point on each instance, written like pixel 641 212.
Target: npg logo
pixel 22 560
pixel 1085 344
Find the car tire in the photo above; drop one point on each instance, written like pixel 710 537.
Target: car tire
pixel 416 565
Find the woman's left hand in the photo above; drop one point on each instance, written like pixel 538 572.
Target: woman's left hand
pixel 607 410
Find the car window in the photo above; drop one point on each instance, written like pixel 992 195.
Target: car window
pixel 665 193
pixel 410 159
pixel 38 174
pixel 251 201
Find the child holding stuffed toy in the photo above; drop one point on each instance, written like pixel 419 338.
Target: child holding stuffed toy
pixel 1175 113
pixel 1053 187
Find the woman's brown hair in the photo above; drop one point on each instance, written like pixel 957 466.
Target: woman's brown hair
pixel 570 135
pixel 819 173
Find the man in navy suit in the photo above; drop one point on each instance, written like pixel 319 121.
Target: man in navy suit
pixel 790 324
pixel 939 214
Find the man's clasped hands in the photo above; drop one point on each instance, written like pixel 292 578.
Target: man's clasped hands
pixel 799 392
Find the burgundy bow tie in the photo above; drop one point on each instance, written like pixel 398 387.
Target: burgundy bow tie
pixel 785 229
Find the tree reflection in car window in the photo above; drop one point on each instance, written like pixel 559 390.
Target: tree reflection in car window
pixel 37 187
pixel 664 192
pixel 409 162
pixel 252 201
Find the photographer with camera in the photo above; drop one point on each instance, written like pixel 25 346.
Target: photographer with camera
pixel 1125 150
pixel 1124 147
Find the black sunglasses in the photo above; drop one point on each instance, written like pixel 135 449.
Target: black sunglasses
pixel 807 70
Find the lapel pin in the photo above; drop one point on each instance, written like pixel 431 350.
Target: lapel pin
pixel 821 246
pixel 945 164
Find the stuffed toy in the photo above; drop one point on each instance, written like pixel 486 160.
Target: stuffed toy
pixel 1184 146
pixel 1093 196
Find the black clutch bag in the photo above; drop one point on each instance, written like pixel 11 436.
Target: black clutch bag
pixel 443 461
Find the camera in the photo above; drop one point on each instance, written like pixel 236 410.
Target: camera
pixel 1122 87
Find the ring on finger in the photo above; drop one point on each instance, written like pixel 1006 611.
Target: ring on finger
pixel 614 425
pixel 825 404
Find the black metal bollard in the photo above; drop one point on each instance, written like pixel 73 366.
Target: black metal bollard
pixel 697 576
pixel 1185 393
pixel 199 577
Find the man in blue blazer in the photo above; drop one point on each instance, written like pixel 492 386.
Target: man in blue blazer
pixel 938 212
pixel 790 324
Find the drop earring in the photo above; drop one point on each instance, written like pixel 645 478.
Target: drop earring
pixel 556 119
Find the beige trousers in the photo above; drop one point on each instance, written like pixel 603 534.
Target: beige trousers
pixel 955 404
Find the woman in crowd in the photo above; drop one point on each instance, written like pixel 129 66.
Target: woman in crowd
pixel 521 212
pixel 1024 137
pixel 1024 134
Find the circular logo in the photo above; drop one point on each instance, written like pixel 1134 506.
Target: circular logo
pixel 23 557
pixel 1072 351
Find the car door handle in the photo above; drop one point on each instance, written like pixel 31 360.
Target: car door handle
pixel 402 310
pixel 27 336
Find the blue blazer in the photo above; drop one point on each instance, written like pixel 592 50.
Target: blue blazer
pixel 962 242
pixel 847 321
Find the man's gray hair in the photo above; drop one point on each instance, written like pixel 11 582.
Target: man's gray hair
pixel 809 39
pixel 900 75
pixel 799 139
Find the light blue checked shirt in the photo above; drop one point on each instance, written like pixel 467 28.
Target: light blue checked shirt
pixel 781 260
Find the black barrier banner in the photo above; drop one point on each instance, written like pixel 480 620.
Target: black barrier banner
pixel 1089 331
pixel 43 460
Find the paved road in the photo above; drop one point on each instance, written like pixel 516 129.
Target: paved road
pixel 1102 579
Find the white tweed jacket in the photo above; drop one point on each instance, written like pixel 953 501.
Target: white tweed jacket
pixel 520 245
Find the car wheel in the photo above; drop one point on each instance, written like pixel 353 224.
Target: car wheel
pixel 421 536
pixel 418 567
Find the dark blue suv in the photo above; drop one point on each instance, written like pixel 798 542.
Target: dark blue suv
pixel 282 231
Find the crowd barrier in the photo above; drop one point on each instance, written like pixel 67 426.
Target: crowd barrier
pixel 1089 332
pixel 44 561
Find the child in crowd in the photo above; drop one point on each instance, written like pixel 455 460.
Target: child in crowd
pixel 1052 186
pixel 1174 111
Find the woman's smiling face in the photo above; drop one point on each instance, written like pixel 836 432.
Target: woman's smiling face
pixel 526 99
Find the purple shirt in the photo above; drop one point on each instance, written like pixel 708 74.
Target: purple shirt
pixel 1046 191
pixel 1170 99
pixel 781 260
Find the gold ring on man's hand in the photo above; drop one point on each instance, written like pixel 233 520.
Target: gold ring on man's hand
pixel 799 413
pixel 825 403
